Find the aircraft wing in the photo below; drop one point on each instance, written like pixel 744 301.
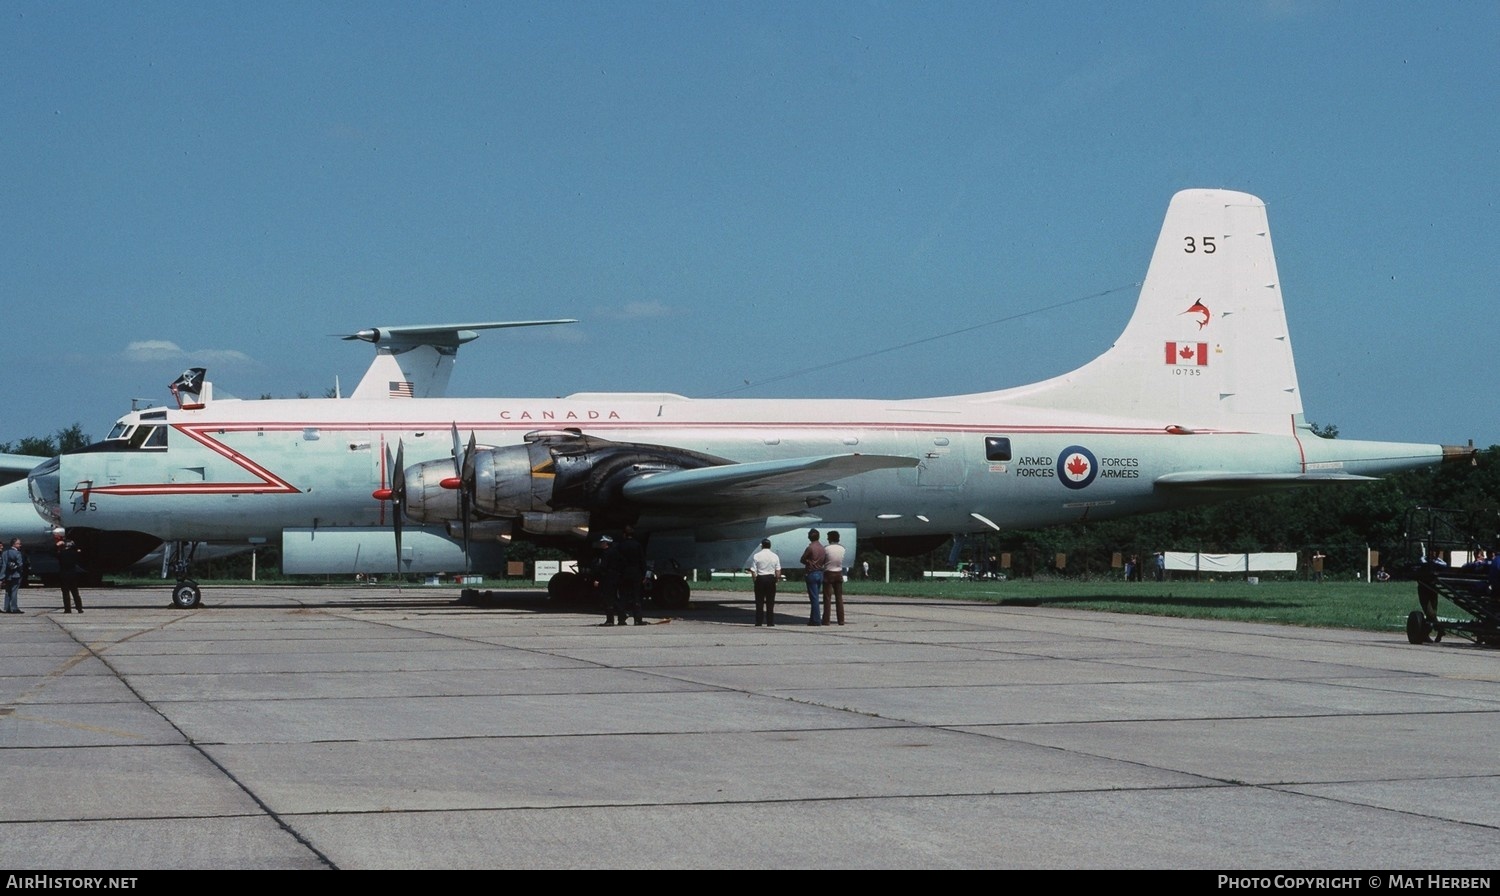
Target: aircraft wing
pixel 19 463
pixel 756 481
pixel 1232 481
pixel 16 466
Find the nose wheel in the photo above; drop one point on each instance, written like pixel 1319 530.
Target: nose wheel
pixel 177 559
pixel 186 595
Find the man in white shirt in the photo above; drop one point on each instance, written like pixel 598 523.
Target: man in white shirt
pixel 765 567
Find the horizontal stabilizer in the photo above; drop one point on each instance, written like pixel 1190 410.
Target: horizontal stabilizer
pixel 416 361
pixel 450 335
pixel 756 481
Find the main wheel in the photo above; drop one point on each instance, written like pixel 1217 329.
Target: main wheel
pixel 1417 627
pixel 672 592
pixel 186 595
pixel 568 588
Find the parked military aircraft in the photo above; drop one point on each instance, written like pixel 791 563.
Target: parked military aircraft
pixel 1197 400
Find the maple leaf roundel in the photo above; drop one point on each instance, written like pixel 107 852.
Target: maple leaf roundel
pixel 1076 466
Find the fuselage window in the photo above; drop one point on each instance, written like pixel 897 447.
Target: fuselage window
pixel 996 448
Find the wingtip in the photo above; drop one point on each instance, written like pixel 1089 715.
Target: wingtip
pixel 1460 453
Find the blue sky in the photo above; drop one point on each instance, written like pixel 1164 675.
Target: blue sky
pixel 730 194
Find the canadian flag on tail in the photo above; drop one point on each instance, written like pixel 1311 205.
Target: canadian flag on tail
pixel 1194 353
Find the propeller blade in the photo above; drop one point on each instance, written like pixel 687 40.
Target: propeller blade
pixel 466 472
pixel 466 489
pixel 398 496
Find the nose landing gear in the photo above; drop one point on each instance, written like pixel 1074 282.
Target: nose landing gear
pixel 177 559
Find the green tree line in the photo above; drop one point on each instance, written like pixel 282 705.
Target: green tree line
pixel 70 439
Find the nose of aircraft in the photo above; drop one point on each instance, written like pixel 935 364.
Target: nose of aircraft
pixel 46 489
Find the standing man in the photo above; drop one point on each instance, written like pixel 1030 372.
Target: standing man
pixel 69 569
pixel 765 568
pixel 833 578
pixel 630 565
pixel 1160 567
pixel 812 566
pixel 12 566
pixel 608 576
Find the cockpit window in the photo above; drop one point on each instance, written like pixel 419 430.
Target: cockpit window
pixel 132 434
pixel 149 437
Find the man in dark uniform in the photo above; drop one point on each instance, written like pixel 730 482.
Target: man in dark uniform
pixel 629 561
pixel 609 578
pixel 69 570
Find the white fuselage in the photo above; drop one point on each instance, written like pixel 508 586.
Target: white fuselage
pixel 318 462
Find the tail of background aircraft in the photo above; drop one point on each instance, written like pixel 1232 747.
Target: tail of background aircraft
pixel 1207 346
pixel 416 362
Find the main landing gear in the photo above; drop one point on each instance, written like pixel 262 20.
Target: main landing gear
pixel 670 592
pixel 665 592
pixel 570 588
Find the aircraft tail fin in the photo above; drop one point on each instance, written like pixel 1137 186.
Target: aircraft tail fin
pixel 419 371
pixel 1207 347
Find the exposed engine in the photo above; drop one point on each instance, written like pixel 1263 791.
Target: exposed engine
pixel 557 482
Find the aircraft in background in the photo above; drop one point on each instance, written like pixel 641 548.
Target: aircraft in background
pixel 417 361
pixel 16 466
pixel 1197 401
pixel 18 518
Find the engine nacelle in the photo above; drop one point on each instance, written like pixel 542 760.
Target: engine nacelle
pixel 556 482
pixel 432 494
